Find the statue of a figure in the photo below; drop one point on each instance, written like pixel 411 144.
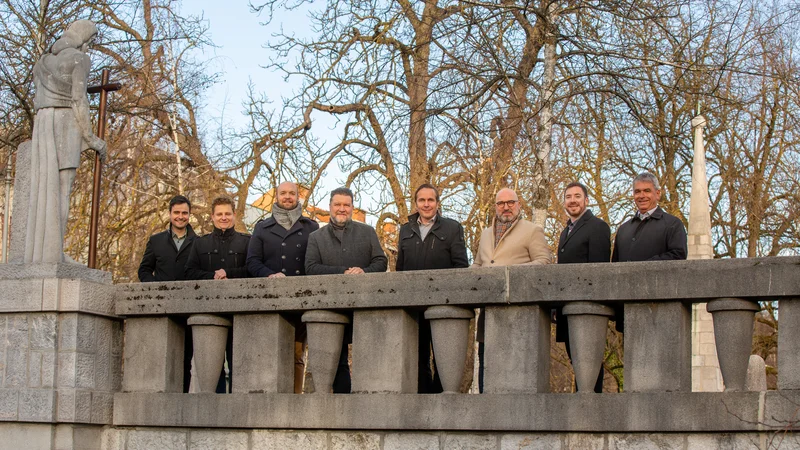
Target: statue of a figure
pixel 61 131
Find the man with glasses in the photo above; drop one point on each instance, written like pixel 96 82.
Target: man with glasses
pixel 509 241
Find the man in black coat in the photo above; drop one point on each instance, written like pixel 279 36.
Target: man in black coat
pixel 278 249
pixel 585 239
pixel 218 256
pixel 166 253
pixel 429 241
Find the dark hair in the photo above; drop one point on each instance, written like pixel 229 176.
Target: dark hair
pixel 577 184
pixel 427 186
pixel 179 200
pixel 342 191
pixel 222 201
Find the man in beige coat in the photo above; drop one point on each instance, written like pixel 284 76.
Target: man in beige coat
pixel 507 242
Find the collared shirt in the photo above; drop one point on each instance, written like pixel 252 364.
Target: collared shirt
pixel 178 240
pixel 425 228
pixel 500 229
pixel 643 216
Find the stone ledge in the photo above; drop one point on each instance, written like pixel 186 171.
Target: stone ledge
pixel 628 412
pixel 687 281
pixel 53 270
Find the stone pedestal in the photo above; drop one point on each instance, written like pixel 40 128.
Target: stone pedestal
pixel 756 379
pixel 733 329
pixel 789 344
pixel 588 323
pixel 385 347
pixel 657 347
pixel 517 340
pixel 325 331
pixel 263 353
pixel 450 337
pixel 209 338
pixel 153 355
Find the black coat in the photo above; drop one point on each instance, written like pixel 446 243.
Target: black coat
pixel 275 249
pixel 589 242
pixel 219 250
pixel 161 260
pixel 443 247
pixel 660 237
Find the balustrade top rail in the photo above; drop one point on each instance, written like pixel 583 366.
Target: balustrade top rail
pixel 689 281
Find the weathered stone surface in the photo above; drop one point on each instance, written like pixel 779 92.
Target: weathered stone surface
pixel 658 347
pixel 588 324
pixel 114 439
pixel 66 369
pixel 733 328
pixel 215 440
pixel 35 369
pixel 411 441
pixel 263 353
pixel 385 347
pixel 468 441
pixel 450 339
pixel 325 330
pixel 288 440
pixel 16 367
pixel 48 366
pixel 586 441
pixel 530 441
pixel 50 294
pixel 517 340
pixel 20 206
pixel 28 436
pixel 209 338
pixel 62 271
pixel 20 295
pixel 756 379
pixel 84 370
pixel 73 437
pixel 162 440
pixel 102 407
pixel 725 441
pixel 36 405
pixel 654 441
pixel 9 402
pixel 153 355
pixel 789 344
pixel 359 440
pixel 43 331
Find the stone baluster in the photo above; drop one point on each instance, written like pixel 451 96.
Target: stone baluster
pixel 588 322
pixel 789 344
pixel 450 336
pixel 153 355
pixel 385 350
pixel 209 338
pixel 325 331
pixel 733 330
pixel 263 353
pixel 517 340
pixel 658 347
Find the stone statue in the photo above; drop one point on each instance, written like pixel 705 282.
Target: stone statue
pixel 61 131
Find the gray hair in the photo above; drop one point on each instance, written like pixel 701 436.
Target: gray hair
pixel 647 177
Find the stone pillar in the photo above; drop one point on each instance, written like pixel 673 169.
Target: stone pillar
pixel 385 351
pixel 19 207
pixel 450 337
pixel 657 347
pixel 325 331
pixel 789 344
pixel 517 340
pixel 263 353
pixel 153 355
pixel 588 323
pixel 733 327
pixel 209 338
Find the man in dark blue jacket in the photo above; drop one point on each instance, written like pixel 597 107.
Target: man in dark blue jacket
pixel 166 253
pixel 429 241
pixel 278 249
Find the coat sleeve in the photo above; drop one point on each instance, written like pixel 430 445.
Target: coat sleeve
pixel 600 243
pixel 314 264
pixel 478 262
pixel 676 243
pixel 458 251
pixel 148 264
pixel 615 251
pixel 538 251
pixel 255 258
pixel 398 266
pixel 193 269
pixel 378 261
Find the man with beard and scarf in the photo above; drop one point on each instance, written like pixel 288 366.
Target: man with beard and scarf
pixel 344 247
pixel 278 249
pixel 509 241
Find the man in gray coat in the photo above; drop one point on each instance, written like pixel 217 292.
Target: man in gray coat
pixel 344 247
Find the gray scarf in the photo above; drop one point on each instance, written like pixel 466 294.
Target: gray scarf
pixel 287 218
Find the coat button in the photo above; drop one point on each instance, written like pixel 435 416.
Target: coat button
pixel 297 259
pixel 344 249
pixel 297 272
pixel 283 256
pixel 223 259
pixel 299 245
pixel 492 261
pixel 299 233
pixel 283 270
pixel 562 250
pixel 283 244
pixel 634 239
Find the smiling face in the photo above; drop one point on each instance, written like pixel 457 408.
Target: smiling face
pixel 179 216
pixel 223 217
pixel 341 209
pixel 575 202
pixel 287 195
pixel 507 206
pixel 645 195
pixel 427 205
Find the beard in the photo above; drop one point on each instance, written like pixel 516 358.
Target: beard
pixel 507 219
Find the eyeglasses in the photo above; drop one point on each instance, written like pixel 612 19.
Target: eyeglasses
pixel 509 203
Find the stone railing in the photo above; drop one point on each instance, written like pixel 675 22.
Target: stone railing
pixel 656 299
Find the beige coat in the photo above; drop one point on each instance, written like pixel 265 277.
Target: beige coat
pixel 523 243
